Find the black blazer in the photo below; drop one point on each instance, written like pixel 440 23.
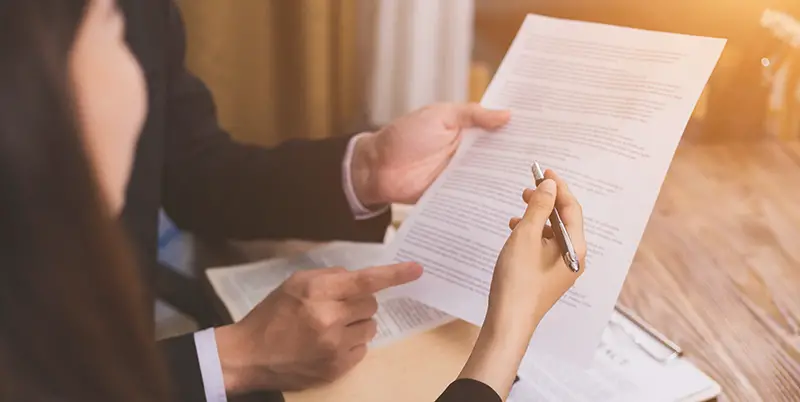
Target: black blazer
pixel 213 186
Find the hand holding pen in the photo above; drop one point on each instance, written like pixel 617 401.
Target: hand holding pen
pixel 558 230
pixel 530 276
pixel 533 257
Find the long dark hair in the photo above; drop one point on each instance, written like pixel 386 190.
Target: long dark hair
pixel 72 318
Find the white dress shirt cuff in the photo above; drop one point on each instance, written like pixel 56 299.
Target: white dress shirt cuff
pixel 210 367
pixel 360 212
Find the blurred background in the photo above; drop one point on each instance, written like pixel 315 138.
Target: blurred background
pixel 283 69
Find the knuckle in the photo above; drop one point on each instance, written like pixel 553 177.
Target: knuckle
pixel 541 197
pixel 295 279
pixel 546 195
pixel 320 286
pixel 301 284
pixel 315 288
pixel 372 304
pixel 319 319
pixel 543 201
pixel 365 282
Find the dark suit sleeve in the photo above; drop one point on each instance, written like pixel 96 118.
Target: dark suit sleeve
pixel 469 390
pixel 220 188
pixel 180 355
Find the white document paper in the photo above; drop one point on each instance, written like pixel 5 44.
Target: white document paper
pixel 603 106
pixel 621 372
pixel 242 287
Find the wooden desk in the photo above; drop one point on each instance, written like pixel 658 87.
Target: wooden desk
pixel 718 271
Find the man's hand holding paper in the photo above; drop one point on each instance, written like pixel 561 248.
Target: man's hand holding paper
pixel 399 162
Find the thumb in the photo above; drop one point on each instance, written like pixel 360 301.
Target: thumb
pixel 540 206
pixel 475 115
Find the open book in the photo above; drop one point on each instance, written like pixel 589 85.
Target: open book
pixel 242 287
pixel 603 106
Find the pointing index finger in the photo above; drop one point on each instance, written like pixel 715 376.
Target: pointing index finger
pixel 371 280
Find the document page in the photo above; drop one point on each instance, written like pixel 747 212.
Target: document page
pixel 603 106
pixel 622 371
pixel 242 287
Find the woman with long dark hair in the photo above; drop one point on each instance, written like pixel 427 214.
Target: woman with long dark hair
pixel 72 307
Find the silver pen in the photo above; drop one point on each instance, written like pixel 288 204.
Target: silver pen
pixel 559 230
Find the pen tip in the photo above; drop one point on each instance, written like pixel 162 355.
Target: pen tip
pixel 574 266
pixel 571 259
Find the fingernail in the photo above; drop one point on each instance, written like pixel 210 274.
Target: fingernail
pixel 416 271
pixel 548 186
pixel 413 266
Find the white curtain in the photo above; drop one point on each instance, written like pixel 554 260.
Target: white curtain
pixel 421 54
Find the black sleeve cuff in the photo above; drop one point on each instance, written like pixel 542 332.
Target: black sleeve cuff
pixel 469 390
pixel 187 383
pixel 180 354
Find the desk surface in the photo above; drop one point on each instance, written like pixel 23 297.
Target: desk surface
pixel 718 271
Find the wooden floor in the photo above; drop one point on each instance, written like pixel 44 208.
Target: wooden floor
pixel 718 270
